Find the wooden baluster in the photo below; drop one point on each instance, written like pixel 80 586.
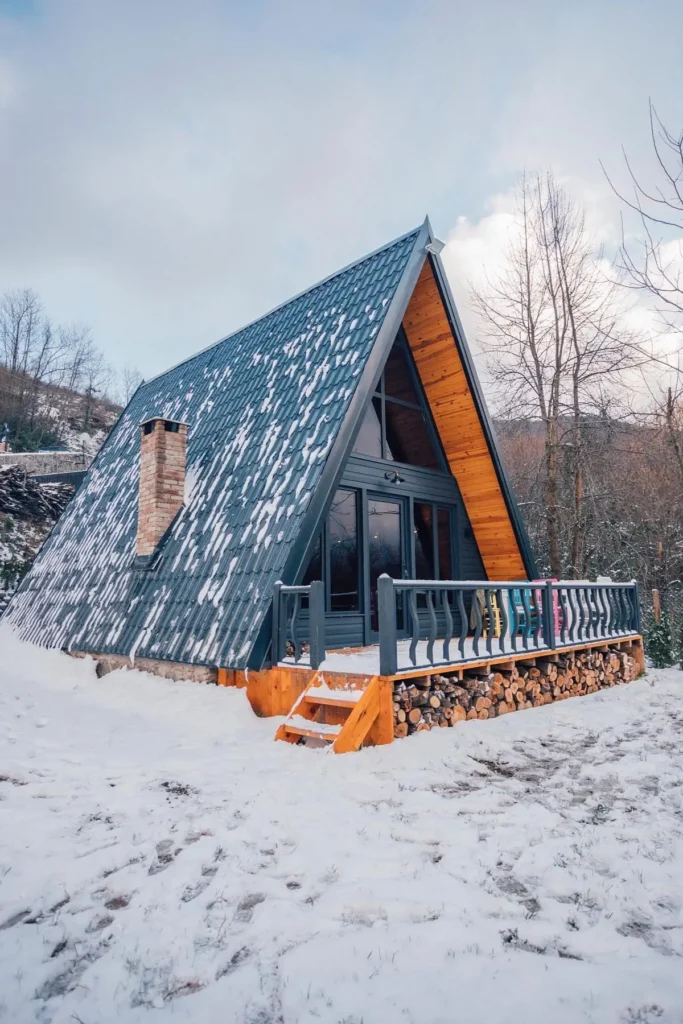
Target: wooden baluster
pixel 602 614
pixel 463 623
pixel 293 629
pixel 478 624
pixel 564 610
pixel 491 629
pixel 414 618
pixel 446 605
pixel 609 614
pixel 574 627
pixel 524 592
pixel 514 620
pixel 503 618
pixel 537 617
pixel 614 624
pixel 431 637
pixel 588 599
pixel 582 613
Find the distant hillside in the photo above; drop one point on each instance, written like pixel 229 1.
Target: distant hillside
pixel 39 415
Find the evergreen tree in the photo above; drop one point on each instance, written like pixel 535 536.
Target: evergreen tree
pixel 659 643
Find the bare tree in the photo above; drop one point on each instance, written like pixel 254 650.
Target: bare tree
pixel 653 262
pixel 129 381
pixel 97 377
pixel 20 318
pixel 43 368
pixel 553 326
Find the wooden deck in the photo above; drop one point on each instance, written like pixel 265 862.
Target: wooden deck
pixel 362 661
pixel 348 704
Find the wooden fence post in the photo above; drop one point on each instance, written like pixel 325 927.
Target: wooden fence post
pixel 656 605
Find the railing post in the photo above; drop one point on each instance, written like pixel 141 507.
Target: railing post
pixel 548 616
pixel 386 615
pixel 275 642
pixel 316 617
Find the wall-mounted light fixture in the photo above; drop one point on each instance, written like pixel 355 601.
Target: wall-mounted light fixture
pixel 435 246
pixel 394 476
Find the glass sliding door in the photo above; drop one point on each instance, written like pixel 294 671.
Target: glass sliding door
pixel 386 547
pixel 342 538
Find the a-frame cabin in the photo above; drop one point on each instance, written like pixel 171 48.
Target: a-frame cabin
pixel 325 479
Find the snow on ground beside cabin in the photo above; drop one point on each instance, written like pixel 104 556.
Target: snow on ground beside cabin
pixel 162 859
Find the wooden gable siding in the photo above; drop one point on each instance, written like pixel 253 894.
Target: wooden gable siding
pixel 457 419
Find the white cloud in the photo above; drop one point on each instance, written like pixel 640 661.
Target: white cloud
pixel 476 252
pixel 170 170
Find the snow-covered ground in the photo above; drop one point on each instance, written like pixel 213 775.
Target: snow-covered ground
pixel 162 859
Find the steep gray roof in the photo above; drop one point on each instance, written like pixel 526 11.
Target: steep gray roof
pixel 263 409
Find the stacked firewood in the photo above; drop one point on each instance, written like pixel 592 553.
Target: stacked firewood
pixel 26 498
pixel 435 701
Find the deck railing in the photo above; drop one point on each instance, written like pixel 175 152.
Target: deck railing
pixel 456 621
pixel 432 623
pixel 294 634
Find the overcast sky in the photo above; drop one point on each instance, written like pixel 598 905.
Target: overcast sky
pixel 171 170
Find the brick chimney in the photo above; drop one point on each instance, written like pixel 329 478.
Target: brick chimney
pixel 162 480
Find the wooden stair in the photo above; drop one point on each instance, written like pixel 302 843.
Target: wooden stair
pixel 362 715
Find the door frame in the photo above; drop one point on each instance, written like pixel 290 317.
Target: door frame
pixel 403 501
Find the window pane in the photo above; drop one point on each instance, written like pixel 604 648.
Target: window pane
pixel 423 530
pixel 342 531
pixel 443 521
pixel 398 382
pixel 408 439
pixel 385 543
pixel 314 569
pixel 369 440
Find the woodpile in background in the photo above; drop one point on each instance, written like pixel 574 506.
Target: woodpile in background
pixel 439 701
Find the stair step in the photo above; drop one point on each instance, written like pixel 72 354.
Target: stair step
pixel 315 730
pixel 344 700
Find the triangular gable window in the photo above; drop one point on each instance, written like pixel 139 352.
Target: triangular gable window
pixel 398 425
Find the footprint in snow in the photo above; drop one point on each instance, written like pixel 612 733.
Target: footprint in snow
pixel 165 854
pixel 234 962
pixel 190 892
pixel 245 908
pixel 13 919
pixel 117 902
pixel 99 923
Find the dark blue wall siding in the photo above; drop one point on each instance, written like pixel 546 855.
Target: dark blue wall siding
pixel 344 630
